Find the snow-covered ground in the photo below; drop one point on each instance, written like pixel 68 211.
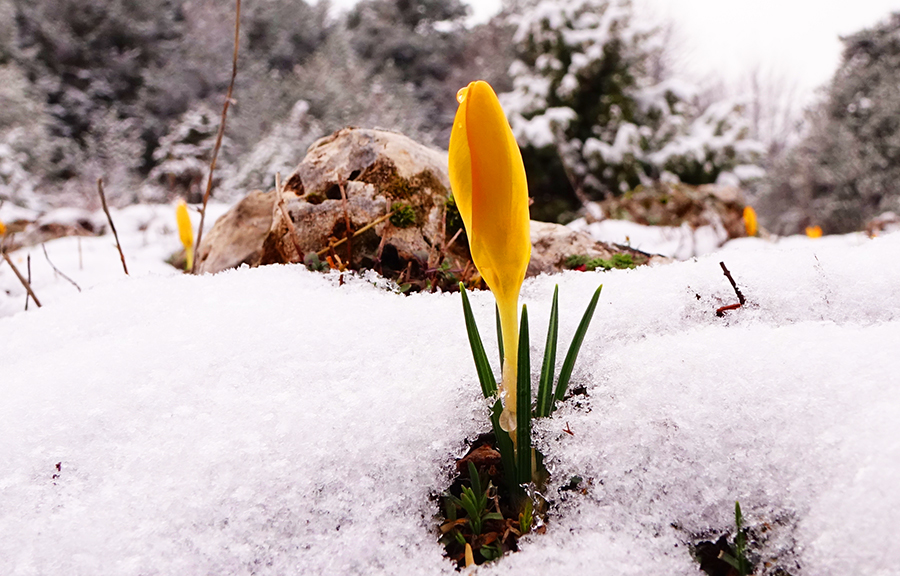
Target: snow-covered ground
pixel 272 421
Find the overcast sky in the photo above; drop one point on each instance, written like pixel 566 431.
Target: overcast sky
pixel 725 38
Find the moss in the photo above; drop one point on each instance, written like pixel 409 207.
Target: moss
pixel 403 215
pixel 619 261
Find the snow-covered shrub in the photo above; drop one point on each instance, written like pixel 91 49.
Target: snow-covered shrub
pixel 279 151
pixel 846 169
pixel 185 152
pixel 586 85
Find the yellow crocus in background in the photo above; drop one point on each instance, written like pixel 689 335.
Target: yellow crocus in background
pixel 186 233
pixel 2 229
pixel 487 177
pixel 814 231
pixel 750 220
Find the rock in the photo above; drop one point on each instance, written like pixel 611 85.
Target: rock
pixel 553 244
pixel 381 173
pixel 237 237
pixel 662 204
pixel 884 223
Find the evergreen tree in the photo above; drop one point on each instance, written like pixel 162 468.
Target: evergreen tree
pixel 846 169
pixel 589 108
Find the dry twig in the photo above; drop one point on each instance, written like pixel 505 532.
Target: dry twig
pixel 57 270
pixel 221 133
pixel 375 222
pixel 111 225
pixel 22 279
pixel 741 300
pixel 292 232
pixel 345 206
pixel 28 265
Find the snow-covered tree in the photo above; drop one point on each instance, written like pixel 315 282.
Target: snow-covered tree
pixel 185 152
pixel 585 87
pixel 847 168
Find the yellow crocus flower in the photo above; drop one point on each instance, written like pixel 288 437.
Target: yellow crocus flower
pixel 814 231
pixel 750 220
pixel 487 177
pixel 186 233
pixel 2 229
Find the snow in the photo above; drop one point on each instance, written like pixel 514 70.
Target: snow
pixel 274 421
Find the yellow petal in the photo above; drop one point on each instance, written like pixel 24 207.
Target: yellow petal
pixel 488 181
pixel 750 220
pixel 470 557
pixel 185 229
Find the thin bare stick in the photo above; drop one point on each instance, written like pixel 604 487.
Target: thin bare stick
pixel 733 284
pixel 57 270
pixel 221 133
pixel 345 205
pixel 375 222
pixel 22 279
pixel 27 296
pixel 111 225
pixel 292 232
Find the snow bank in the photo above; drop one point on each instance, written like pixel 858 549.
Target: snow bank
pixel 270 421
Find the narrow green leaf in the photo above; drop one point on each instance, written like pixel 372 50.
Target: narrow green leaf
pixel 732 561
pixel 523 405
pixel 499 333
pixel 507 450
pixel 475 479
pixel 565 372
pixel 545 385
pixel 482 366
pixel 492 516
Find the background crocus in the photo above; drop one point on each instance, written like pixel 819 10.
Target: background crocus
pixel 750 220
pixel 488 181
pixel 186 233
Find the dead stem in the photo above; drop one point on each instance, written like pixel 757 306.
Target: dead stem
pixel 111 225
pixel 221 133
pixel 292 232
pixel 57 270
pixel 347 235
pixel 371 224
pixel 22 279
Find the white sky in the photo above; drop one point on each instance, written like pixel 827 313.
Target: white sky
pixel 795 38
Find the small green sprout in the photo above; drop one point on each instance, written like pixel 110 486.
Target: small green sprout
pixel 526 517
pixel 474 501
pixel 621 261
pixel 739 561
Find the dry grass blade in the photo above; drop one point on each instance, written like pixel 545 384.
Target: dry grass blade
pixel 57 270
pixel 345 206
pixel 28 266
pixel 22 279
pixel 371 224
pixel 111 225
pixel 221 132
pixel 292 232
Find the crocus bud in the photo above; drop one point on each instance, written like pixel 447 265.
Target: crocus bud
pixel 186 233
pixel 750 220
pixel 487 177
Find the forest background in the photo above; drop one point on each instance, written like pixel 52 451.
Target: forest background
pixel 131 91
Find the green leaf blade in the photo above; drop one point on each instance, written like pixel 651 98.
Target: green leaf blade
pixel 565 373
pixel 545 385
pixel 523 405
pixel 482 366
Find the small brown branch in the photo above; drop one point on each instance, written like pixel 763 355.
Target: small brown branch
pixel 27 295
pixel 371 224
pixel 733 284
pixel 22 279
pixel 221 132
pixel 111 225
pixel 346 220
pixel 292 232
pixel 721 311
pixel 57 270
